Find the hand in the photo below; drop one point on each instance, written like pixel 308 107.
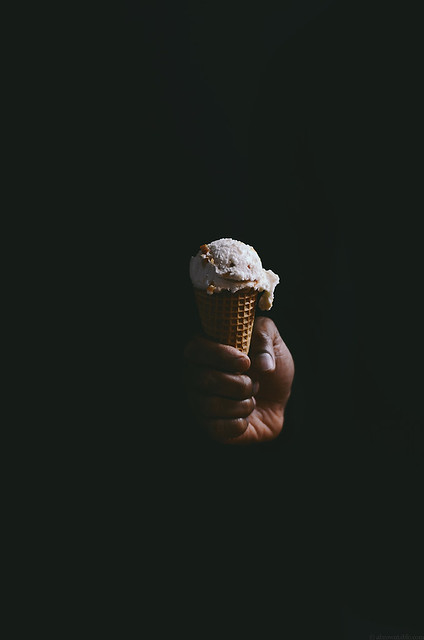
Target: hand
pixel 237 398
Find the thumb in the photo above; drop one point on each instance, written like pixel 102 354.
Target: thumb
pixel 261 352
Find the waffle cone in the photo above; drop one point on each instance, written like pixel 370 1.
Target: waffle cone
pixel 228 317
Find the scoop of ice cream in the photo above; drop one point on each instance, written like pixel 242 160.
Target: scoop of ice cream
pixel 231 265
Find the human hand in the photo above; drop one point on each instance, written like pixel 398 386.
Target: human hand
pixel 237 398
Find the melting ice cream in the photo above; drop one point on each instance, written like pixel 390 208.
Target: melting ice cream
pixel 231 265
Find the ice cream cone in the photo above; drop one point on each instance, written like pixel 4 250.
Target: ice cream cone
pixel 228 317
pixel 227 276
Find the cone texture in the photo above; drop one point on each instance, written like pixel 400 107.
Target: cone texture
pixel 228 317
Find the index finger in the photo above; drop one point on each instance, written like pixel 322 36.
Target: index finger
pixel 204 352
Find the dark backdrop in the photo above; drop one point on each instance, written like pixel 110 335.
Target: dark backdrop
pixel 295 127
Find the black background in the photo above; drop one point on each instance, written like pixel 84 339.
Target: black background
pixel 294 127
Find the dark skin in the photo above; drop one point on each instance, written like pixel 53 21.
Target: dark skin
pixel 240 399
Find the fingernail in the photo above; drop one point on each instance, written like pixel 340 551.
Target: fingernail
pixel 264 362
pixel 255 388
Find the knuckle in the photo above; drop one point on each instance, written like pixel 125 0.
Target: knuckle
pixel 223 408
pixel 245 387
pixel 264 330
pixel 235 408
pixel 225 430
pixel 263 336
pixel 265 324
pixel 246 408
pixel 240 427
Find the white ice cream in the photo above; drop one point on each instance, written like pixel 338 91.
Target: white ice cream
pixel 231 265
